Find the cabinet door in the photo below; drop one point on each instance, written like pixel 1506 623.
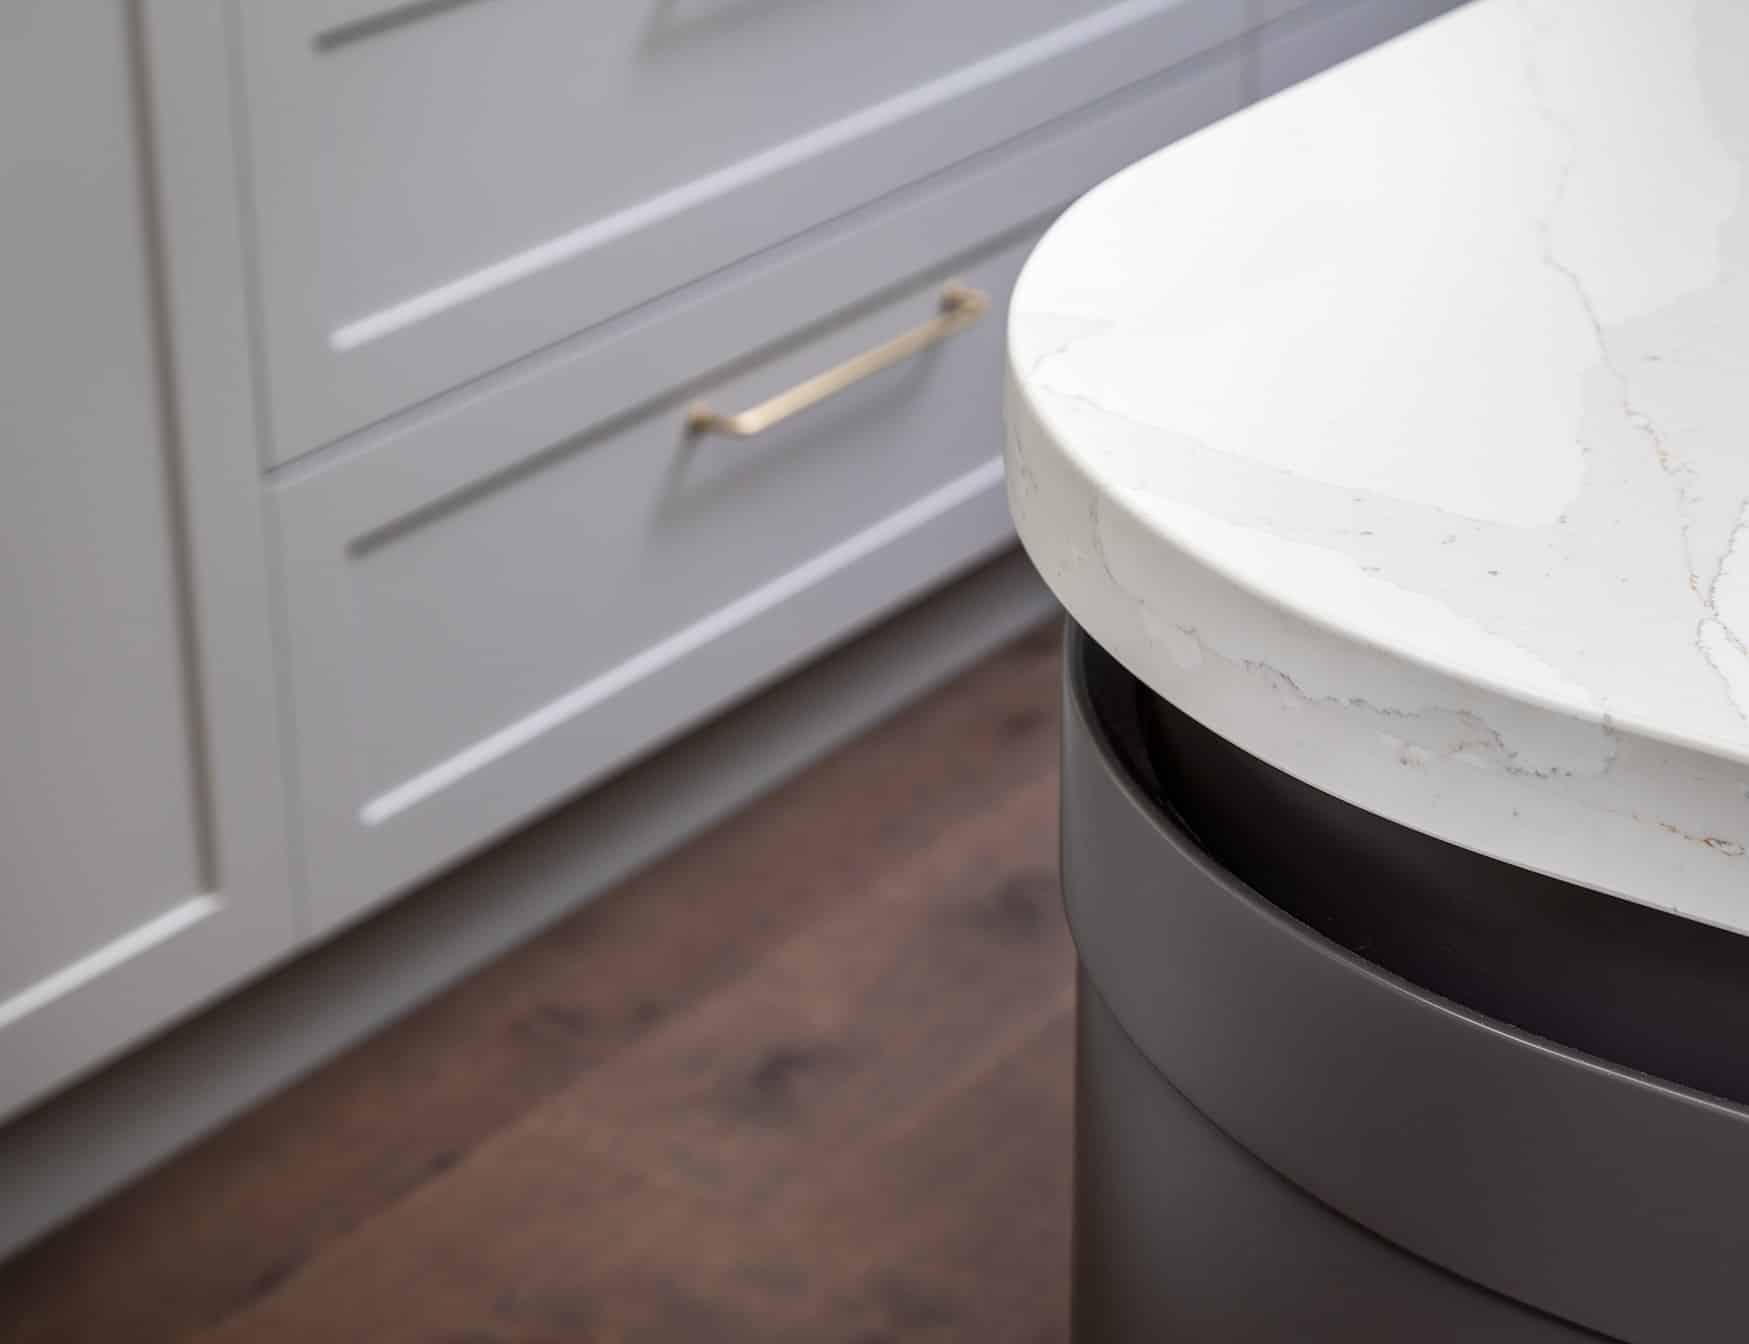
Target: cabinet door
pixel 142 856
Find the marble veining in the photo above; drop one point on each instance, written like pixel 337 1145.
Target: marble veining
pixel 1398 429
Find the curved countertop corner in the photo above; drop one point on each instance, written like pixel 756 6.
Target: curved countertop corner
pixel 1397 429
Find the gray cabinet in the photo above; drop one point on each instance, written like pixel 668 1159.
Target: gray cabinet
pixel 142 856
pixel 346 348
pixel 498 601
pixel 1305 37
pixel 443 188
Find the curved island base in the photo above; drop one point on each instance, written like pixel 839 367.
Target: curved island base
pixel 1340 1081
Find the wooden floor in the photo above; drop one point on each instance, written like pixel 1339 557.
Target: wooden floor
pixel 808 1079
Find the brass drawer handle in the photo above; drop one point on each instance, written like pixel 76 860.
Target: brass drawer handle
pixel 961 305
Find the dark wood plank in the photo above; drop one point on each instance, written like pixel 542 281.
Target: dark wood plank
pixel 719 1180
pixel 963 1231
pixel 235 1219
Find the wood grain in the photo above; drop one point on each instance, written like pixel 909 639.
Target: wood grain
pixel 807 1079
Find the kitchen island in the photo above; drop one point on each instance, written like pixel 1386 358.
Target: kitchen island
pixel 1388 443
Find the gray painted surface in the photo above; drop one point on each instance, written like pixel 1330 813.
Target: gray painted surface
pixel 532 584
pixel 84 1143
pixel 145 826
pixel 1181 1234
pixel 140 813
pixel 1313 35
pixel 440 196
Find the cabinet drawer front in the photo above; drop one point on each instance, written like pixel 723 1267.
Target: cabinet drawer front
pixel 443 186
pixel 468 655
pixel 526 584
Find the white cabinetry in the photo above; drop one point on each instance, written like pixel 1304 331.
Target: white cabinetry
pixel 346 348
pixel 142 857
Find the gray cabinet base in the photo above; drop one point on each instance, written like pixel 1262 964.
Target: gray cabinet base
pixel 1284 1134
pixel 1181 1234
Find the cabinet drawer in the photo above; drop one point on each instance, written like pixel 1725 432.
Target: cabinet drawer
pixel 443 186
pixel 528 582
pixel 470 651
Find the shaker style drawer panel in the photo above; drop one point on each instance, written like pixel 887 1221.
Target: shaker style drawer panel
pixel 526 583
pixel 467 651
pixel 443 186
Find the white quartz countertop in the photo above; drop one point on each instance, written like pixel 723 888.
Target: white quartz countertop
pixel 1397 429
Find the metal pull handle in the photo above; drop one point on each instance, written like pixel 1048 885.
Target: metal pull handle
pixel 961 305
